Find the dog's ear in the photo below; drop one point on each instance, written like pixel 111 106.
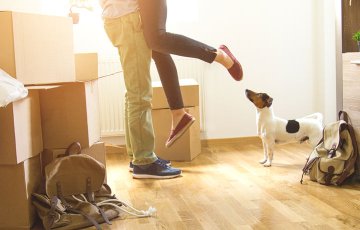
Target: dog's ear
pixel 267 99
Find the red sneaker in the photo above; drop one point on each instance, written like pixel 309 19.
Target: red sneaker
pixel 235 70
pixel 186 121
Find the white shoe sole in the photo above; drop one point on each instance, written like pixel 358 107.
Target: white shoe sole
pixel 147 176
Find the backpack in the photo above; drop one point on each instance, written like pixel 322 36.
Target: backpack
pixel 74 195
pixel 334 159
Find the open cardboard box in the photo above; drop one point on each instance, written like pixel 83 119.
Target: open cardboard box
pixel 20 132
pixel 70 113
pixel 37 49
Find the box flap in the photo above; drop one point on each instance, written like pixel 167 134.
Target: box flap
pixel 30 87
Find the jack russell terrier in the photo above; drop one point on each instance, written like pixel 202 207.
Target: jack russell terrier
pixel 274 130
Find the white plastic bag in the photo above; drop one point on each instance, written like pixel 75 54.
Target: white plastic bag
pixel 10 89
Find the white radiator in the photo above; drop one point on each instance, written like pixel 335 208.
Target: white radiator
pixel 111 97
pixel 112 91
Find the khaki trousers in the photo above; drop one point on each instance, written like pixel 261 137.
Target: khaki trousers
pixel 126 34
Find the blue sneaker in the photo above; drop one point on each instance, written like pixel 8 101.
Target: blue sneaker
pixel 156 170
pixel 131 166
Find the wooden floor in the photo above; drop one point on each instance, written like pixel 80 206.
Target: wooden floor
pixel 225 188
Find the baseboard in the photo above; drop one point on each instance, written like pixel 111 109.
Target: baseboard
pixel 238 140
pixel 115 149
pixel 121 148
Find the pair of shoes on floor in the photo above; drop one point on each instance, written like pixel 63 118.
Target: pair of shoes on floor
pixel 155 170
pixel 131 165
pixel 235 70
pixel 184 124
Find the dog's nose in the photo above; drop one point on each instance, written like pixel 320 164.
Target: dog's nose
pixel 246 90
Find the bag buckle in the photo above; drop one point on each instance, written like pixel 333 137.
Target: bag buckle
pixel 332 152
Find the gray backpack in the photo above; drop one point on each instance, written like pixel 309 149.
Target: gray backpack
pixel 74 194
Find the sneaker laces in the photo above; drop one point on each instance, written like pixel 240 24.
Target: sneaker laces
pixel 161 163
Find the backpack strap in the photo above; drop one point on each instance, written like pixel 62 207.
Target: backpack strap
pixel 308 165
pixel 51 215
pixel 353 159
pixel 343 116
pixel 73 210
pixel 90 196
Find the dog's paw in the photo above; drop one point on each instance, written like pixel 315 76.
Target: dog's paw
pixel 263 161
pixel 267 164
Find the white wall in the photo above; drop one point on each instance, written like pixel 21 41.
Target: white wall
pixel 286 47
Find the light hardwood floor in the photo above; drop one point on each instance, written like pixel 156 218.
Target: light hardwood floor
pixel 226 188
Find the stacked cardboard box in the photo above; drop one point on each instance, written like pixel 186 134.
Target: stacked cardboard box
pixel 18 182
pixel 189 145
pixel 61 107
pixel 37 49
pixel 20 144
pixel 70 113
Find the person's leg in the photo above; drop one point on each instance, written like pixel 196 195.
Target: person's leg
pixel 166 67
pixel 135 59
pixel 135 56
pixel 170 82
pixel 127 131
pixel 154 15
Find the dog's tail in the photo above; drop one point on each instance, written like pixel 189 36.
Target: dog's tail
pixel 316 116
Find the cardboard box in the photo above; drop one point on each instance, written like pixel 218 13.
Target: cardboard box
pixel 70 113
pixel 86 66
pixel 18 182
pixel 37 49
pixel 97 151
pixel 20 132
pixel 187 147
pixel 189 90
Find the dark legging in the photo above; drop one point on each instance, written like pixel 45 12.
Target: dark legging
pixel 153 15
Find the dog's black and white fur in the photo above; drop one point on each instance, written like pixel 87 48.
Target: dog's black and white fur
pixel 274 130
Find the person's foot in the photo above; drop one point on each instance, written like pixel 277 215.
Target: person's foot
pixel 156 170
pixel 131 165
pixel 231 63
pixel 184 124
